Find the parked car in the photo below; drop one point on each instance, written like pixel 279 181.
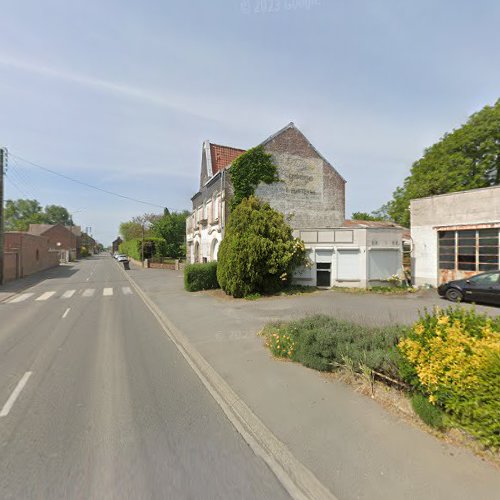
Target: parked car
pixel 121 258
pixel 484 287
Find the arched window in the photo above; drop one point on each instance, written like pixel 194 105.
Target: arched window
pixel 196 255
pixel 214 248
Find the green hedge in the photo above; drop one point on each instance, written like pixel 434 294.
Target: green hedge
pixel 432 415
pixel 200 277
pixel 133 248
pixel 324 343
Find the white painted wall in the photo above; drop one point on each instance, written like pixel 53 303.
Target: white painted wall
pixel 477 206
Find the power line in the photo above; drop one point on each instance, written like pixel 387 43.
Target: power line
pixel 67 177
pixel 14 174
pixel 11 181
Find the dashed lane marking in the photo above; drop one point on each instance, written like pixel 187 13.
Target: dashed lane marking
pixel 12 399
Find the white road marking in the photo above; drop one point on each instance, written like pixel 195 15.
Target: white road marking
pixel 10 402
pixel 107 291
pixel 66 312
pixel 126 290
pixel 46 295
pixel 20 298
pixel 88 292
pixel 68 294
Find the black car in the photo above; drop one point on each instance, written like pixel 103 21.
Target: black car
pixel 483 288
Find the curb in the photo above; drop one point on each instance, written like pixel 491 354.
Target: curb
pixel 298 480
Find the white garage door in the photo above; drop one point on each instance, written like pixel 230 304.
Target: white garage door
pixel 348 265
pixel 383 264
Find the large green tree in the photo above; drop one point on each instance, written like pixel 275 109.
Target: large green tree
pixel 172 228
pixel 19 214
pixel 258 252
pixel 55 214
pixel 466 158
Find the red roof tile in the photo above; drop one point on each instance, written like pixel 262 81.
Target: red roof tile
pixel 223 156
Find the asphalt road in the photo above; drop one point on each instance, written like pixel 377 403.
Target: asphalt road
pixel 96 402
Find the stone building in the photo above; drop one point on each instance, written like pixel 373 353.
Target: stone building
pixel 311 195
pixel 455 235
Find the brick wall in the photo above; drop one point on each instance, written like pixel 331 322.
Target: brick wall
pixel 27 254
pixel 311 192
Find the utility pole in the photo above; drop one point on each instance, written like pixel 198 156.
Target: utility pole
pixel 142 247
pixel 3 154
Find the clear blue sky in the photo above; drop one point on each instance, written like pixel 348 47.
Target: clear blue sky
pixel 122 93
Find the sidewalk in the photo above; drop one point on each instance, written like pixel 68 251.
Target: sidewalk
pixel 352 445
pixel 17 286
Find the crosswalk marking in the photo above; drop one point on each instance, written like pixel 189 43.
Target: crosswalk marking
pixel 46 295
pixel 20 298
pixel 68 294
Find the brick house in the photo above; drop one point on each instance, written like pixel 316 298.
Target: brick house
pixel 311 194
pixel 116 244
pixel 26 254
pixel 65 239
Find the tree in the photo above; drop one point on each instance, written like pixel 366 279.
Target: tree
pixel 19 214
pixel 258 252
pixel 466 158
pixel 130 230
pixel 248 170
pixel 55 214
pixel 172 228
pixel 366 216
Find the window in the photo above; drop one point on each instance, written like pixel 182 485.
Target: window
pixel 469 250
pixel 466 250
pixel 447 249
pixel 488 249
pixel 216 207
pixel 486 279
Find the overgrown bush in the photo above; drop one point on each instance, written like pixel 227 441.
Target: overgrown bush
pixel 432 415
pixel 324 343
pixel 152 246
pixel 200 277
pixel 258 253
pixel 452 356
pixel 248 171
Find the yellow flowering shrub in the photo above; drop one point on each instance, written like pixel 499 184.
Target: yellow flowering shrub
pixel 447 355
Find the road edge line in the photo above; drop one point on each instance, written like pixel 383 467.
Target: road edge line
pixel 296 478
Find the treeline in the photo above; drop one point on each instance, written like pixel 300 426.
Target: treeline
pixel 19 214
pixel 155 235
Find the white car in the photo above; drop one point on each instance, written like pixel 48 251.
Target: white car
pixel 121 257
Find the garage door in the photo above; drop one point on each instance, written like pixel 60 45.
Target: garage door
pixel 383 263
pixel 348 265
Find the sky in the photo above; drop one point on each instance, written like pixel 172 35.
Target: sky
pixel 121 94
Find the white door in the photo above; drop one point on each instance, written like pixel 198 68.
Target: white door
pixel 384 263
pixel 348 265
